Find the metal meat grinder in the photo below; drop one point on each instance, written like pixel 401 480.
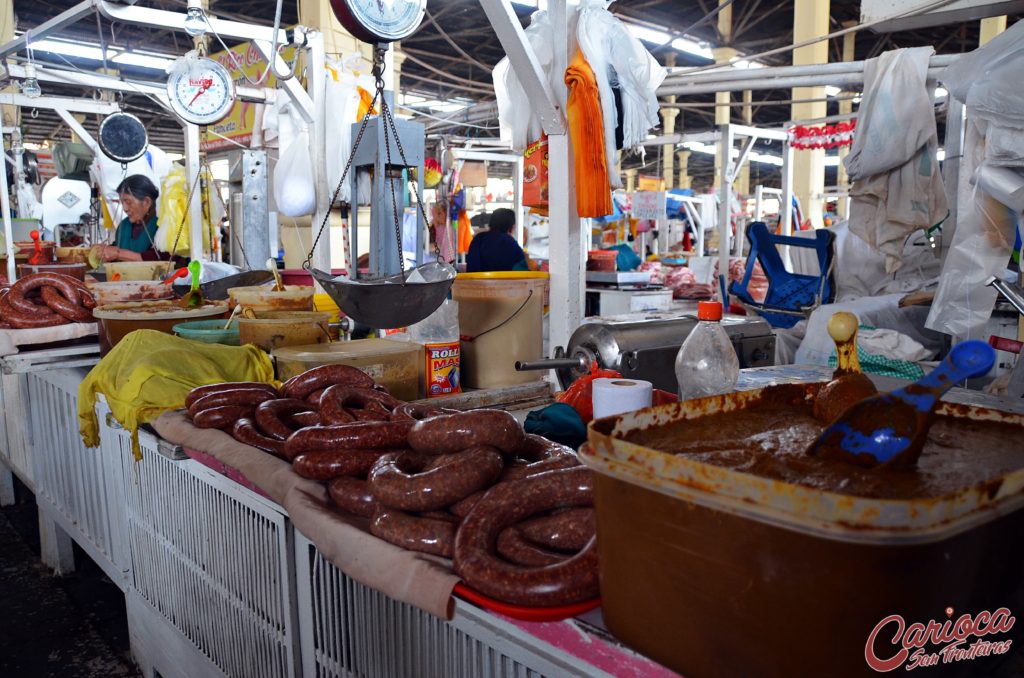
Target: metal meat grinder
pixel 645 347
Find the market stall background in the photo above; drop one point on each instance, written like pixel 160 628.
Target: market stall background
pixel 155 536
pixel 449 60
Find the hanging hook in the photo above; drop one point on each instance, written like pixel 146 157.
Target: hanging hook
pixel 35 113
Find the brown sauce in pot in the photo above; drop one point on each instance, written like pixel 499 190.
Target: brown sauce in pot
pixel 770 438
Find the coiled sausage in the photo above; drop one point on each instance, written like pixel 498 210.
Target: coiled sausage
pixel 361 435
pixel 571 581
pixel 223 417
pixel 200 391
pixel 275 416
pixel 515 549
pixel 328 465
pixel 567 530
pixel 353 495
pixel 302 385
pixel 415 533
pixel 245 431
pixel 414 481
pixel 455 432
pixel 240 396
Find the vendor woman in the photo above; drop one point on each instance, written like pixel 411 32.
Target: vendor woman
pixel 133 240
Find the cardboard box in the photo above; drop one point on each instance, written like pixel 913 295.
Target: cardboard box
pixel 535 174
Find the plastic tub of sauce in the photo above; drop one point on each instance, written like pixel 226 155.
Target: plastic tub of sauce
pixel 117 320
pixel 726 551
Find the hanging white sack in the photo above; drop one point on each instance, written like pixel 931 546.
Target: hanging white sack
pixel 294 190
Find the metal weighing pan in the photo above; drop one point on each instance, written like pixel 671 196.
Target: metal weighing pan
pixel 392 301
pixel 218 289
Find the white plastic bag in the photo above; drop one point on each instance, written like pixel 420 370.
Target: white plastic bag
pixel 980 249
pixel 341 106
pixel 897 188
pixel 619 60
pixel 519 124
pixel 896 116
pixel 987 79
pixel 294 189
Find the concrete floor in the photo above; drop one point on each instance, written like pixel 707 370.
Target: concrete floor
pixel 71 627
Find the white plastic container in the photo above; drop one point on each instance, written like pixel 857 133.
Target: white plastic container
pixel 706 363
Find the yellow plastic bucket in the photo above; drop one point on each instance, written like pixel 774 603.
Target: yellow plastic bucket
pixel 501 317
pixel 323 302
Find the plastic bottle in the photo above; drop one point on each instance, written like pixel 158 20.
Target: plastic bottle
pixel 706 363
pixel 439 334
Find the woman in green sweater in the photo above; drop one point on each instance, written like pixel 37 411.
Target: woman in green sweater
pixel 133 240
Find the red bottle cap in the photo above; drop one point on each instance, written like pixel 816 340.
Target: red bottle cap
pixel 709 310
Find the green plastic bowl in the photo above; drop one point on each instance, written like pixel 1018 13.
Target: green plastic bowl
pixel 209 331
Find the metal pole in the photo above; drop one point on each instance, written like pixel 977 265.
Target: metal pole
pixel 758 202
pixel 318 95
pixel 5 206
pixel 762 83
pixel 195 205
pixel 786 204
pixel 724 206
pixel 818 70
pixel 567 280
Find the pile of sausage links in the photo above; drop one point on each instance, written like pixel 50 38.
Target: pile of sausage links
pixel 514 511
pixel 44 300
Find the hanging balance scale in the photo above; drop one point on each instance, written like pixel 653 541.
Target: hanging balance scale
pixel 389 296
pixel 123 137
pixel 201 91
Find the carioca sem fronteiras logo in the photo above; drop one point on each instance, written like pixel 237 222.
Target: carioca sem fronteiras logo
pixel 950 641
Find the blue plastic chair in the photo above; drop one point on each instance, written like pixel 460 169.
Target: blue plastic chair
pixel 791 296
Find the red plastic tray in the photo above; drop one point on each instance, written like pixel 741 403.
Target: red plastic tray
pixel 532 614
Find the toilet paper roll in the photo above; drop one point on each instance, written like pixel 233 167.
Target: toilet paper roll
pixel 615 396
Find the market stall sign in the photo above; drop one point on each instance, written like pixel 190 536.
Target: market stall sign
pixel 650 183
pixel 649 205
pixel 244 61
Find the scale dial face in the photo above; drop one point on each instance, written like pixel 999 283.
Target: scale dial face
pixel 380 20
pixel 202 95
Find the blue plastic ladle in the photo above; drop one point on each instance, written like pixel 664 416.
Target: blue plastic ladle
pixel 890 428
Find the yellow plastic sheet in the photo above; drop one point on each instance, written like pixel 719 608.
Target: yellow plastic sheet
pixel 149 372
pixel 173 203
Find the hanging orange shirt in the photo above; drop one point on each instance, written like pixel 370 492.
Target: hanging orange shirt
pixel 465 232
pixel 586 131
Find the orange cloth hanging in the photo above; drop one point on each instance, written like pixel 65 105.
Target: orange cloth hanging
pixel 365 103
pixel 465 232
pixel 586 130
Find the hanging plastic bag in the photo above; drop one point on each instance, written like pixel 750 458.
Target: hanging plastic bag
pixel 619 60
pixel 341 106
pixel 897 188
pixel 519 124
pixel 173 225
pixel 980 249
pixel 986 79
pixel 294 189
